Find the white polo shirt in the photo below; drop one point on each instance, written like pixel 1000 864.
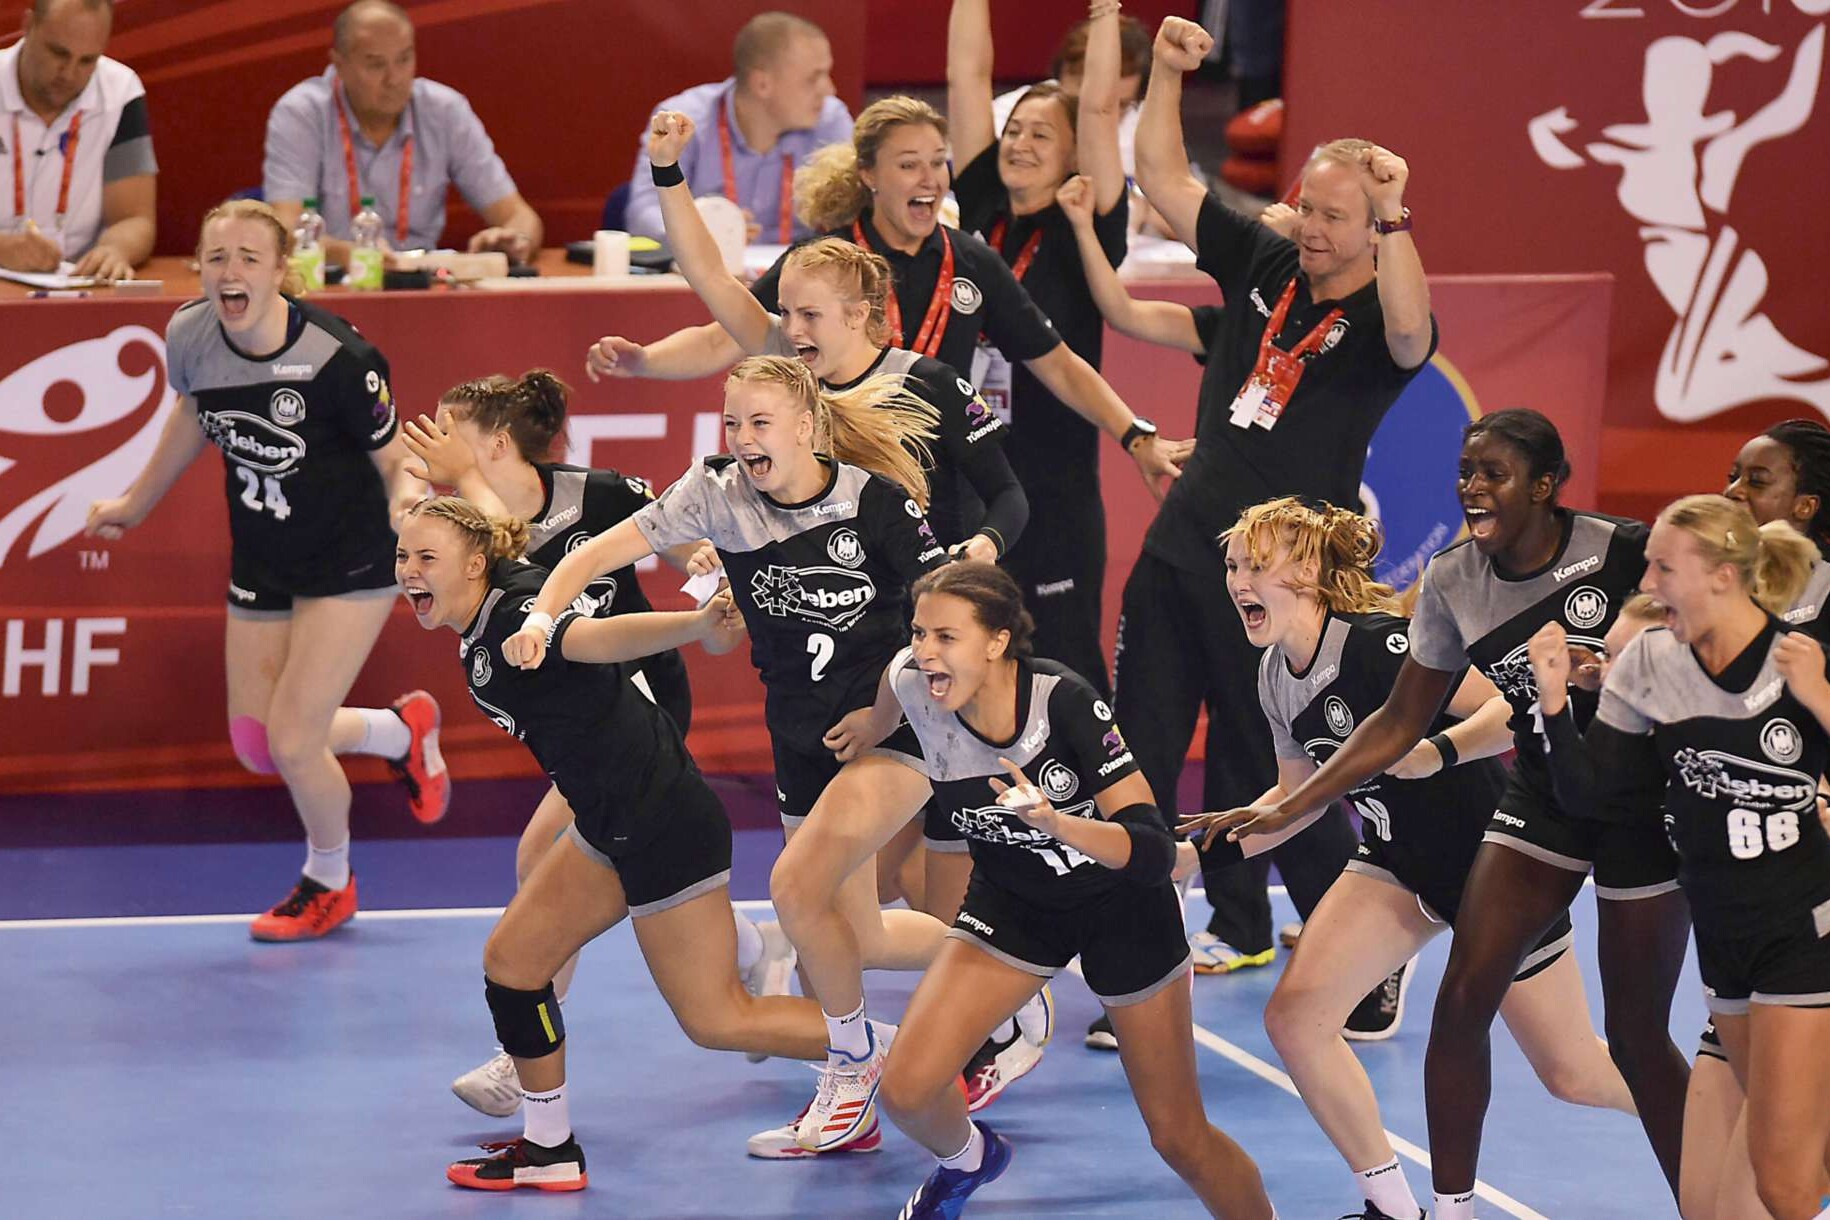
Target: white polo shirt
pixel 113 142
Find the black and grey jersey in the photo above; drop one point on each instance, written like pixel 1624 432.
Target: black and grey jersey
pixel 611 752
pixel 1467 611
pixel 1807 612
pixel 296 428
pixel 1068 745
pixel 1313 711
pixel 823 585
pixel 1741 758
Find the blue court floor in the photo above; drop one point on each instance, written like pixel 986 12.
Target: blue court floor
pixel 158 1065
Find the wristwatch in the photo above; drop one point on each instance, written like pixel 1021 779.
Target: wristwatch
pixel 1139 429
pixel 1400 225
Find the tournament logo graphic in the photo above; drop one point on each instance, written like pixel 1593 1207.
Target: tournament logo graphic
pixel 845 548
pixel 1422 431
pixel 1585 607
pixel 1677 183
pixel 1058 782
pixel 287 407
pixel 1338 715
pixel 1781 741
pixel 831 597
pixel 77 425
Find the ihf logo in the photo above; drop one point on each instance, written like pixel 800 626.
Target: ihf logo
pixel 1422 431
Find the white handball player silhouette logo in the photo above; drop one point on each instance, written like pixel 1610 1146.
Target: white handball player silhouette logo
pixel 77 425
pixel 1723 350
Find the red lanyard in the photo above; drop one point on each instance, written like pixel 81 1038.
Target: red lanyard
pixel 71 139
pixel 940 308
pixel 1280 371
pixel 403 210
pixel 1025 256
pixel 730 177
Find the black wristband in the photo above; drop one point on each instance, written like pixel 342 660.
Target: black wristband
pixel 666 175
pixel 1153 850
pixel 556 634
pixel 1446 748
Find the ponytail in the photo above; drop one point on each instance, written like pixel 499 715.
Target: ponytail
pixel 496 537
pixel 1774 561
pixel 1782 566
pixel 1341 544
pixel 877 424
pixel 531 410
pixel 829 192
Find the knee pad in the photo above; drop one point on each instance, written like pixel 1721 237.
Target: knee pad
pixel 528 1024
pixel 249 737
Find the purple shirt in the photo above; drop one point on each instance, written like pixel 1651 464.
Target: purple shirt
pixel 758 174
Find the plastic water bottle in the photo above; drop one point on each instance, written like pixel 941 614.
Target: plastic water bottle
pixel 365 252
pixel 308 248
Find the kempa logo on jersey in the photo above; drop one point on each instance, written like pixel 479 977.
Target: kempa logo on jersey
pixel 832 597
pixel 301 371
pixel 829 510
pixel 561 519
pixel 1764 696
pixel 973 921
pixel 1057 781
pixel 77 425
pixel 1576 569
pixel 253 441
pixel 1585 607
pixel 843 546
pixel 1713 774
pixel 1316 681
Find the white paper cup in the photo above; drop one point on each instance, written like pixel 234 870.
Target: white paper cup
pixel 609 252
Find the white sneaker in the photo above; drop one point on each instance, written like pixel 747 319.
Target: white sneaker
pixel 1211 955
pixel 781 1143
pixel 494 1088
pixel 1036 1019
pixel 845 1102
pixel 1290 933
pixel 772 973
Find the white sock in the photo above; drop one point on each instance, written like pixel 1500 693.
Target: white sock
pixel 1032 1018
pixel 849 1033
pixel 749 942
pixel 969 1158
pixel 1385 1188
pixel 329 869
pixel 1453 1207
pixel 384 733
pixel 1006 1031
pixel 546 1117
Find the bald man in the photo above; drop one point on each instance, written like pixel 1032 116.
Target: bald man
pixel 369 126
pixel 78 181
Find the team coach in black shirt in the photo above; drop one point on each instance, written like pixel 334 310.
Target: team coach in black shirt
pixel 1314 345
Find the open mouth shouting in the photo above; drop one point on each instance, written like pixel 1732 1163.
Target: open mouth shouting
pixel 939 684
pixel 808 353
pixel 923 210
pixel 1254 614
pixel 233 302
pixel 420 599
pixel 756 465
pixel 1481 522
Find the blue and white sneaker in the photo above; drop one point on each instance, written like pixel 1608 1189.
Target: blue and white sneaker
pixel 943 1196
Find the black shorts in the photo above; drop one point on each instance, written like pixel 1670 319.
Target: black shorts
pixel 801 776
pixel 1440 901
pixel 261 590
pixel 688 854
pixel 663 679
pixel 1709 1046
pixel 1786 965
pixel 1130 940
pixel 1629 862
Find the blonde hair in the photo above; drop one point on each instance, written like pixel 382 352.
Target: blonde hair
pixel 1341 544
pixel 496 537
pixel 1644 608
pixel 1774 561
pixel 877 424
pixel 858 274
pixel 254 209
pixel 828 191
pixel 1346 151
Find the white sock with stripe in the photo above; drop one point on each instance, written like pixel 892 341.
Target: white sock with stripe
pixel 969 1158
pixel 546 1117
pixel 847 1034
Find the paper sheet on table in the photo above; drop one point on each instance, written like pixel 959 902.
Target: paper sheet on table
pixel 49 280
pixel 701 588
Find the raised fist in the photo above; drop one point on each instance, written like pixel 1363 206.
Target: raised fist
pixel 1181 44
pixel 669 132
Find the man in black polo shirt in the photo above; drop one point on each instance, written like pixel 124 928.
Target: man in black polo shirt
pixel 1289 417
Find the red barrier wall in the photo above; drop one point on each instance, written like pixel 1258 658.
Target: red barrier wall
pixel 1680 144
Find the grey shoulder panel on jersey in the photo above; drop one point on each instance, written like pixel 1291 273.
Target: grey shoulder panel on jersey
pixel 482 624
pixel 1285 695
pixel 1810 604
pixel 211 364
pixel 1660 679
pixel 1481 602
pixel 951 750
pixel 898 360
pixel 566 507
pixel 742 520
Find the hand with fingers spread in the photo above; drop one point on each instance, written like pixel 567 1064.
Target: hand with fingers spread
pixel 1236 824
pixel 615 356
pixel 1026 800
pixel 443 456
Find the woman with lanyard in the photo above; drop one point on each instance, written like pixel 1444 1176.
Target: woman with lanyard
pixel 1528 561
pixel 1300 575
pixel 1715 731
pixel 816 515
pixel 492 442
pixel 1071 859
pixel 316 475
pixel 650 842
pixel 883 191
pixel 1006 191
pixel 1782 474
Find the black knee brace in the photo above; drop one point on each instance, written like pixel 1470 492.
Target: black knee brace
pixel 528 1024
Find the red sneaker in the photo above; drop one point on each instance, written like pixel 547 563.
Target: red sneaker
pixel 309 912
pixel 423 768
pixel 520 1163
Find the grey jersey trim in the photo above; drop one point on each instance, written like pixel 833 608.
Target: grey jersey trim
pixel 202 359
pixel 565 508
pixel 951 750
pixel 482 623
pixel 1285 696
pixel 1810 604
